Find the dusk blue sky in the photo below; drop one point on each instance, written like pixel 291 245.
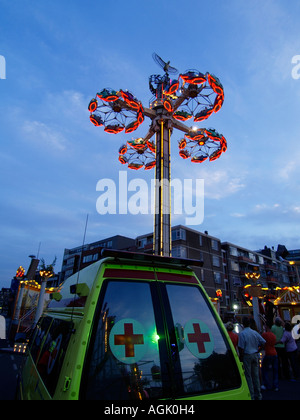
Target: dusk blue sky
pixel 58 54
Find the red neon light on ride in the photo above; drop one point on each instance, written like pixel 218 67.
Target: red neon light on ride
pixel 184 154
pixel 123 160
pixel 182 116
pixel 96 120
pixel 151 146
pixel 168 106
pixel 131 127
pixel 113 129
pixel 93 105
pixel 150 165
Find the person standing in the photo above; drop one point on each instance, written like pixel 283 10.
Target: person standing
pixel 283 364
pixel 250 343
pixel 270 360
pixel 291 348
pixel 233 336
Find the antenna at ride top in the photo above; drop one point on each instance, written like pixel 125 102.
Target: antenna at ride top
pixel 164 65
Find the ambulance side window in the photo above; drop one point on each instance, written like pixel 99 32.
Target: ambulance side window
pixel 48 349
pixel 39 337
pixel 124 361
pixel 207 362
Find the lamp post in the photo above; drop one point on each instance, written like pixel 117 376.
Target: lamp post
pixel 193 95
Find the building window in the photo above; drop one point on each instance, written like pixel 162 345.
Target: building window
pixel 217 277
pixel 142 242
pixel 243 254
pixel 216 261
pixel 236 281
pixel 70 262
pixel 252 257
pixel 215 245
pixel 178 234
pixel 234 265
pixel 179 251
pixel 233 251
pixel 87 258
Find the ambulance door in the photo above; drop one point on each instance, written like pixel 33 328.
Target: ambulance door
pixel 202 357
pixel 124 360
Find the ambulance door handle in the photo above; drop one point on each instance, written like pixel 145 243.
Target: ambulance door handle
pixel 67 383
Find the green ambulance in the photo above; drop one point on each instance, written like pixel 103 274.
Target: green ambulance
pixel 132 327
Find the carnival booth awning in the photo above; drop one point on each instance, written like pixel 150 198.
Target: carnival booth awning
pixel 288 304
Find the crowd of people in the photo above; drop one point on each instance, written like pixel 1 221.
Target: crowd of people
pixel 280 354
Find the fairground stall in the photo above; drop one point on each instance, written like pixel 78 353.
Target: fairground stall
pixel 288 304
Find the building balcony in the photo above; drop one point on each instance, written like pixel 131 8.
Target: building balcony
pixel 271 279
pixel 270 267
pixel 245 260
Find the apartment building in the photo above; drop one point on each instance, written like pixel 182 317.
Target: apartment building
pixel 294 255
pixel 275 272
pixel 80 257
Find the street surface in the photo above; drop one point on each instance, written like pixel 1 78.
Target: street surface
pixel 9 368
pixel 288 391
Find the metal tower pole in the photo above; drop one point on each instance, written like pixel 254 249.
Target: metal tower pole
pixel 162 219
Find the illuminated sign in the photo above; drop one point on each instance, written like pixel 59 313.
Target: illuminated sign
pixel 288 298
pixel 20 272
